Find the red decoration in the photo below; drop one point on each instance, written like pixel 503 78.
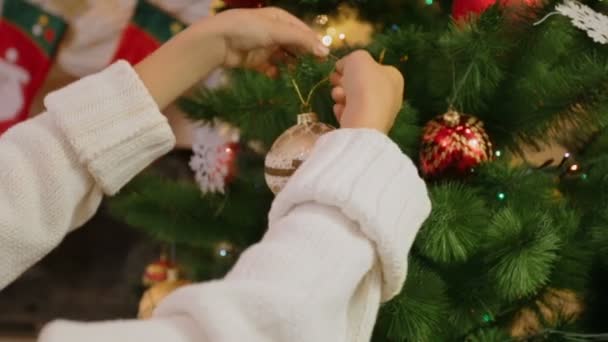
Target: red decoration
pixel 232 150
pixel 49 35
pixel 214 159
pixel 157 271
pixel 149 28
pixel 453 144
pixel 26 54
pixel 245 3
pixel 461 9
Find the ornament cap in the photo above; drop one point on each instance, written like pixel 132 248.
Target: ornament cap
pixel 306 118
pixel 172 274
pixel 452 118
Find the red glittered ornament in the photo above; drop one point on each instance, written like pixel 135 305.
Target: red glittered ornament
pixel 245 3
pixel 453 144
pixel 462 9
pixel 232 150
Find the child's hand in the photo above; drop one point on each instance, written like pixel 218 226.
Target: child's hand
pixel 235 38
pixel 250 38
pixel 367 94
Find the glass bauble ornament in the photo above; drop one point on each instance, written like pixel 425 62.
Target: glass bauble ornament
pixel 291 149
pixel 453 144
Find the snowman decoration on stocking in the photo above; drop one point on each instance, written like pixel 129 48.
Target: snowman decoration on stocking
pixel 13 80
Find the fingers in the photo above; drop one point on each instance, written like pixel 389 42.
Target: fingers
pixel 335 79
pixel 288 31
pixel 271 71
pixel 338 111
pixel 286 35
pixel 396 77
pixel 284 16
pixel 340 65
pixel 359 57
pixel 338 95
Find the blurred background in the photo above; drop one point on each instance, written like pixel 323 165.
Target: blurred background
pixel 108 270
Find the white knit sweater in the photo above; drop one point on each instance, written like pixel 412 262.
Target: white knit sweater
pixel 336 247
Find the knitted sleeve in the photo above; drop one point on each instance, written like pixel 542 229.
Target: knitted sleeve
pixel 337 245
pixel 95 136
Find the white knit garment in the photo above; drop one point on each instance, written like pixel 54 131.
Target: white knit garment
pixel 97 134
pixel 337 244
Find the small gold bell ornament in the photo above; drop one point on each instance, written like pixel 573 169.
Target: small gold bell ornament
pixel 153 296
pixel 291 149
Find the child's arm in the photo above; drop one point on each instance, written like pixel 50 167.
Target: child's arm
pixel 102 130
pixel 236 38
pixel 337 243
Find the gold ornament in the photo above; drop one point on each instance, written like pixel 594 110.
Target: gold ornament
pixel 154 296
pixel 291 149
pixel 157 271
pixel 345 28
pixel 553 307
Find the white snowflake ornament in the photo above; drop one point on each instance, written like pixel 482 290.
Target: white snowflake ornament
pixel 586 19
pixel 214 153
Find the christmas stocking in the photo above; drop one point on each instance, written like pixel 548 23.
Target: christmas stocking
pixel 148 30
pixel 29 38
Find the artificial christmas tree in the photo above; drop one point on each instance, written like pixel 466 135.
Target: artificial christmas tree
pixel 512 249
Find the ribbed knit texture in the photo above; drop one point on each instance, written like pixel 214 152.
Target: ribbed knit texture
pixel 97 134
pixel 109 118
pixel 336 246
pixel 365 175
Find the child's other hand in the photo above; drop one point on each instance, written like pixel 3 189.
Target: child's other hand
pixel 251 38
pixel 367 94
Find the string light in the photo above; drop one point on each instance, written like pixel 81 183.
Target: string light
pixel 321 19
pixel 498 153
pixel 574 167
pixel 501 196
pixel 428 2
pixel 567 155
pixel 333 29
pixel 487 318
pixel 224 249
pixel 584 176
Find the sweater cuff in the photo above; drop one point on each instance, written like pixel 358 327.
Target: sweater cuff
pixel 112 123
pixel 174 329
pixel 364 173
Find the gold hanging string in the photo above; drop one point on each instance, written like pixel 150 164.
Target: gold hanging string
pixel 305 103
pixel 314 88
pixel 295 85
pixel 382 55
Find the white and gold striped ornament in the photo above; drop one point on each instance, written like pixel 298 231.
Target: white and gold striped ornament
pixel 291 149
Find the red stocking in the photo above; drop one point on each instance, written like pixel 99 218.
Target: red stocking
pixel 148 30
pixel 29 38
